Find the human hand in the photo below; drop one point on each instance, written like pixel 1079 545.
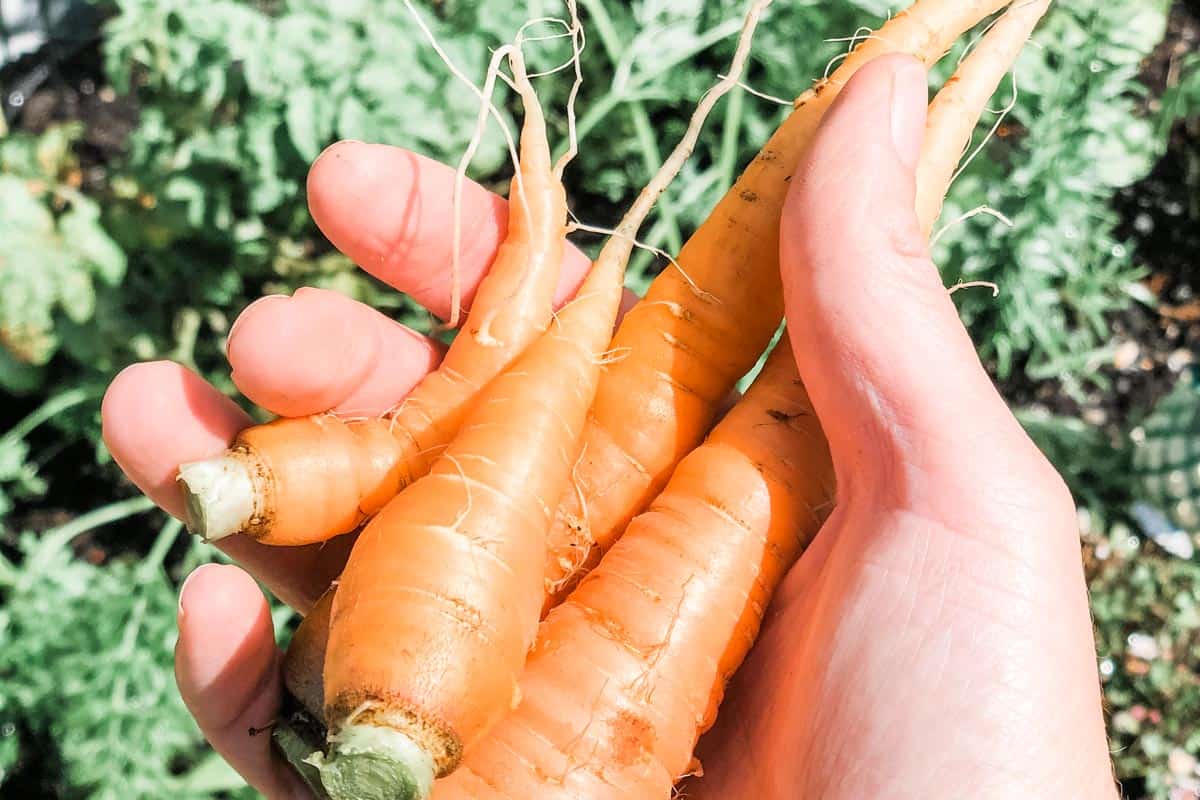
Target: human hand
pixel 935 640
pixel 388 210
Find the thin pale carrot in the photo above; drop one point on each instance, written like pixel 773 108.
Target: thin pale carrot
pixel 703 324
pixel 963 100
pixel 307 479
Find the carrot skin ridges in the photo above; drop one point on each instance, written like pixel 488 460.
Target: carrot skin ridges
pixel 316 477
pixel 703 324
pixel 631 668
pixel 440 599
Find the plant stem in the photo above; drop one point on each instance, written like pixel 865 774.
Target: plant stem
pixel 97 518
pixel 51 408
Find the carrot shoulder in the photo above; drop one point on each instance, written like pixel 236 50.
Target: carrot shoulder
pixel 306 479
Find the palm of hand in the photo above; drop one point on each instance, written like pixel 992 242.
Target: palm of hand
pixel 923 653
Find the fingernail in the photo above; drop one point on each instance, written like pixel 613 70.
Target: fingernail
pixel 183 589
pixel 910 94
pixel 238 321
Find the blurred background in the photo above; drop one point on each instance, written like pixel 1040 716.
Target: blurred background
pixel 152 163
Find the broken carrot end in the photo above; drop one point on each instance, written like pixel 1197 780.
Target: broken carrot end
pixel 368 762
pixel 299 737
pixel 219 496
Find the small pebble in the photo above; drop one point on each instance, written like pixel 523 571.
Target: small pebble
pixel 1179 359
pixel 1142 646
pixel 1126 355
pixel 1181 762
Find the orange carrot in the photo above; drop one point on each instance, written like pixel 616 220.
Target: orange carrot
pixel 440 600
pixel 631 669
pixel 303 480
pixel 948 134
pixel 633 664
pixel 703 325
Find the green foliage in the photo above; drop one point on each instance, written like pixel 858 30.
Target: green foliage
pixel 1182 101
pixel 53 252
pixel 1074 137
pixel 19 478
pixel 85 662
pixel 1146 607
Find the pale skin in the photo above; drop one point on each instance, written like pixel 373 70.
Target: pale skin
pixel 934 641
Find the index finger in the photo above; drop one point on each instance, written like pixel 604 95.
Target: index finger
pixel 390 211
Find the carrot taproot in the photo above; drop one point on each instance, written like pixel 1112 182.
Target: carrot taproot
pixel 686 345
pixel 632 665
pixel 306 479
pixel 631 668
pixel 702 326
pixel 440 600
pixel 956 109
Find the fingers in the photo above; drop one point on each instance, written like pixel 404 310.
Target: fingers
pixel 390 210
pixel 158 415
pixel 227 668
pixel 321 351
pixel 875 333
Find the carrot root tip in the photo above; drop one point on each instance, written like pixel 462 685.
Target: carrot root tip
pixel 219 496
pixel 369 762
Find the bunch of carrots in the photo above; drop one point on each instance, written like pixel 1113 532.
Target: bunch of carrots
pixel 560 560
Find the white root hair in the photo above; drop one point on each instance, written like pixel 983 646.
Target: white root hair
pixel 488 108
pixel 983 210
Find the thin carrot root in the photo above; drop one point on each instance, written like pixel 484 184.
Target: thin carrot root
pixel 962 101
pixel 312 478
pixel 702 325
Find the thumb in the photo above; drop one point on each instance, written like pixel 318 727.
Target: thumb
pixel 890 368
